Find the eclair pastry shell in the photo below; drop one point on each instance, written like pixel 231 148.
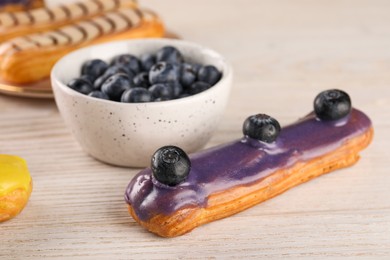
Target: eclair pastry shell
pixel 236 199
pixel 34 64
pixel 42 21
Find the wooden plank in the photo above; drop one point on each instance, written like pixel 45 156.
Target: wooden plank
pixel 283 53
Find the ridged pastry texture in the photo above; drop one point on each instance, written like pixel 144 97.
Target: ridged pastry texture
pixel 43 19
pixel 30 58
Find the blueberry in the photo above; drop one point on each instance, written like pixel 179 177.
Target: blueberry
pixel 142 80
pixel 209 74
pixel 87 78
pixel 80 85
pixel 97 84
pixel 183 95
pixel 112 71
pixel 196 67
pixel 177 69
pixel 163 72
pixel 188 75
pixel 115 85
pixel 161 99
pixel 169 54
pixel 94 68
pixel 136 95
pixel 147 61
pixel 161 90
pixel 98 94
pixel 261 127
pixel 124 69
pixel 332 104
pixel 198 87
pixel 177 88
pixel 129 61
pixel 170 165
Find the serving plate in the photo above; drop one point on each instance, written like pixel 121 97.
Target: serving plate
pixel 41 89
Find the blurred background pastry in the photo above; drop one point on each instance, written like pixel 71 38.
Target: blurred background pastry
pixel 31 41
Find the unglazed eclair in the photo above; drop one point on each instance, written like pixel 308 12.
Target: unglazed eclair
pixel 13 24
pixel 179 193
pixel 29 58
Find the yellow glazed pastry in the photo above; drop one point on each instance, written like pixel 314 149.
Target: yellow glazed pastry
pixel 15 186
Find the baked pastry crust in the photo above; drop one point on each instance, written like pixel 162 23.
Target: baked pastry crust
pixel 30 58
pixel 237 198
pixel 43 19
pixel 13 203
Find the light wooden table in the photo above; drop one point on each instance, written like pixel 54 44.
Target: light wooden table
pixel 283 53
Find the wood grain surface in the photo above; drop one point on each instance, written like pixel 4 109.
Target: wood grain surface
pixel 283 53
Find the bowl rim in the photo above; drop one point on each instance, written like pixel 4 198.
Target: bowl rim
pixel 226 78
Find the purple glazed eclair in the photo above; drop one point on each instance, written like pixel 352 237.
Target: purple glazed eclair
pixel 179 192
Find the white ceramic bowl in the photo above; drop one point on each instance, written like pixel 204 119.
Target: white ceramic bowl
pixel 127 134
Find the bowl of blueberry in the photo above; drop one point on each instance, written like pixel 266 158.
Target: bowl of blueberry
pixel 123 100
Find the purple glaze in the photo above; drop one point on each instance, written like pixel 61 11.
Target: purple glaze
pixel 242 162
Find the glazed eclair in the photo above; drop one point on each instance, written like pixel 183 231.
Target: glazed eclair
pixel 179 193
pixel 42 19
pixel 29 58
